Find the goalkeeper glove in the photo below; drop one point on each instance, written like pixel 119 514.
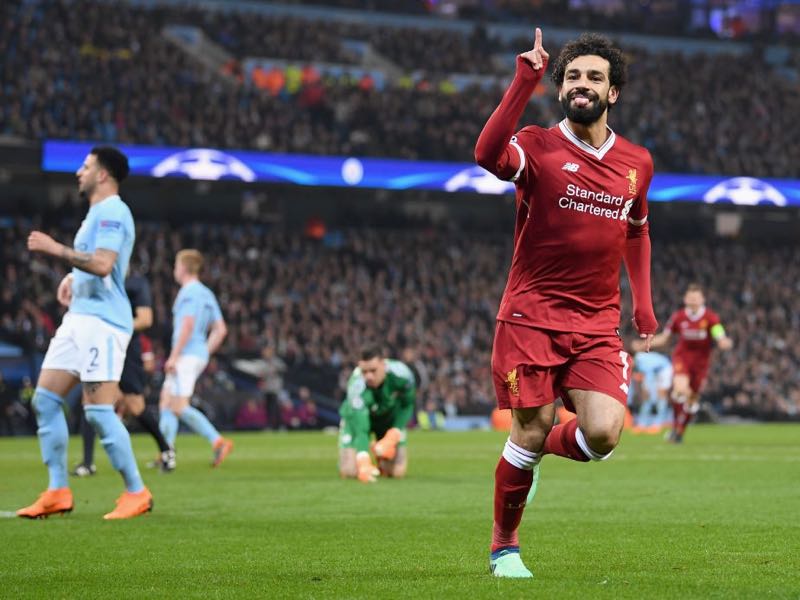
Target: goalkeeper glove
pixel 367 472
pixel 386 447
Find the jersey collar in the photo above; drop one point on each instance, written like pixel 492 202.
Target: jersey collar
pixel 697 315
pixel 598 153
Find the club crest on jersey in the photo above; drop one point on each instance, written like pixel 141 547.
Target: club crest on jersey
pixel 571 167
pixel 512 382
pixel 633 184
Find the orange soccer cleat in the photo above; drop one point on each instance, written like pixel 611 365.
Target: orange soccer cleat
pixel 222 447
pixel 131 504
pixel 49 502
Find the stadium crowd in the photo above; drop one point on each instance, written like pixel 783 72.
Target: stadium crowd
pixel 430 296
pixel 666 17
pixel 88 70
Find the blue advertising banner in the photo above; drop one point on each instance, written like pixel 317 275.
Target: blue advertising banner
pixel 249 166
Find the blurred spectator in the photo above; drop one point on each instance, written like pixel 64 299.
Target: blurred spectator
pixel 430 417
pixel 6 401
pixel 251 415
pixel 306 409
pixel 24 405
pixel 271 370
pixel 289 415
pixel 130 86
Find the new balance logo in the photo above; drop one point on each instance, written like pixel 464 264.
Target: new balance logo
pixel 571 167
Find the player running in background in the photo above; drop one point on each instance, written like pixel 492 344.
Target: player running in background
pixel 697 328
pixel 381 394
pixel 198 330
pixel 655 371
pixel 132 381
pixel 581 209
pixel 89 345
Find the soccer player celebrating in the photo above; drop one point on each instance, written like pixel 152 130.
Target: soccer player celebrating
pixel 89 345
pixel 381 394
pixel 696 326
pixel 581 210
pixel 132 381
pixel 198 330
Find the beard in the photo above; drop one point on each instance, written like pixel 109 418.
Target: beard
pixel 85 191
pixel 584 115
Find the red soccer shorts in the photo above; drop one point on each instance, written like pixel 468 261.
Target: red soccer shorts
pixel 532 367
pixel 695 368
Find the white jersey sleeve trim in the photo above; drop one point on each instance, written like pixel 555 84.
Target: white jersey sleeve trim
pixel 400 369
pixel 521 153
pixel 638 222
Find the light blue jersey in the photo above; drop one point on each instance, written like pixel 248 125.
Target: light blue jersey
pixel 108 225
pixel 656 370
pixel 651 364
pixel 195 300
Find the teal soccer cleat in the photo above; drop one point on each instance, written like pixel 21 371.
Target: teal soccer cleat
pixel 506 562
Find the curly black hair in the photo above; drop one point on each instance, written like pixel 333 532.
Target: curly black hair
pixel 591 43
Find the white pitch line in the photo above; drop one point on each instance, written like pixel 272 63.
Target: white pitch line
pixel 8 514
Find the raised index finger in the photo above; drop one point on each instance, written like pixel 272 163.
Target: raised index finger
pixel 537 39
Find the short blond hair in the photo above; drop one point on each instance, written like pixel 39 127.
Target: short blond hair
pixel 191 259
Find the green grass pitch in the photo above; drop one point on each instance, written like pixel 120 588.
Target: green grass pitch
pixel 718 517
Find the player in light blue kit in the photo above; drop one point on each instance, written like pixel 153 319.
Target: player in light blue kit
pixel 198 329
pixel 89 345
pixel 656 371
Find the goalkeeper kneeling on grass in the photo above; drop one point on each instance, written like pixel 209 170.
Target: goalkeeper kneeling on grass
pixel 380 400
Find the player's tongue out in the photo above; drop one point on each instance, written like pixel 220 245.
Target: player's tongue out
pixel 580 100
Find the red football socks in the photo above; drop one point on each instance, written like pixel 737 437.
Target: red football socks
pixel 683 420
pixel 511 486
pixel 677 416
pixel 561 441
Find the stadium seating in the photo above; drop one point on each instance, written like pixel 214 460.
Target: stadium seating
pixel 128 84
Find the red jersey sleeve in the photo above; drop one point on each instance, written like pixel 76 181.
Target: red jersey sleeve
pixel 672 324
pixel 496 150
pixel 637 247
pixel 639 183
pixel 527 142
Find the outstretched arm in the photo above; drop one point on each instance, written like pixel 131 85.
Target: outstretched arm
pixel 637 263
pixel 100 263
pixel 661 339
pixel 492 150
pixel 358 420
pixel 720 337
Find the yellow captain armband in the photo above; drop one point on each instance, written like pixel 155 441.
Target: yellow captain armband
pixel 717 331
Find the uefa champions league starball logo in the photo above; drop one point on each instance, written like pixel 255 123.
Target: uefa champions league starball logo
pixel 479 180
pixel 745 191
pixel 203 163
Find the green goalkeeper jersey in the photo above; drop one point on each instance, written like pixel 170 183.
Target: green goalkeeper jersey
pixel 366 410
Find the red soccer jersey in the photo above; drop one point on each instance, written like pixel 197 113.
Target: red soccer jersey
pixel 575 204
pixel 694 332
